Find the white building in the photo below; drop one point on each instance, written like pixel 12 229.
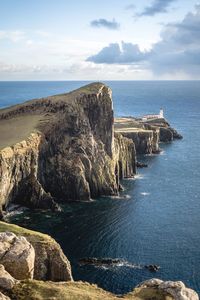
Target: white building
pixel 159 116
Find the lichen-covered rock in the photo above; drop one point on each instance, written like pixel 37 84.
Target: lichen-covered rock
pixel 50 261
pixel 17 255
pixel 6 280
pixel 3 297
pixel 176 289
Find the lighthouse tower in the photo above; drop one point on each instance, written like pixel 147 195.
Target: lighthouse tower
pixel 161 114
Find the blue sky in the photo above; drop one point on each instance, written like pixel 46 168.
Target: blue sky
pixel 99 40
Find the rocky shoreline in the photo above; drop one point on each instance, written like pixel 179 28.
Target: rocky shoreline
pixel 73 149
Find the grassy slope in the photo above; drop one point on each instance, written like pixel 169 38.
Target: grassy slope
pixel 19 127
pixel 39 290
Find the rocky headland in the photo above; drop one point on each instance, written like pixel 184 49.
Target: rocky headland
pixel 69 147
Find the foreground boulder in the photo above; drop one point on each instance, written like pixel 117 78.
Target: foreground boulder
pixel 3 297
pixel 176 289
pixel 6 280
pixel 50 261
pixel 17 255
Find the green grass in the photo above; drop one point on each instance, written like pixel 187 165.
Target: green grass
pixel 17 129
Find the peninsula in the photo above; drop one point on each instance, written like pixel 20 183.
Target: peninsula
pixel 69 147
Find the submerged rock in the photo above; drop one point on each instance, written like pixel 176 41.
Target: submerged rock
pixel 99 261
pixel 141 165
pixel 152 268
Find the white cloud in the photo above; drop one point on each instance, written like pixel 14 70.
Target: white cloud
pixel 14 36
pixel 178 51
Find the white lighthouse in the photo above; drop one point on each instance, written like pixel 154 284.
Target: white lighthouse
pixel 161 114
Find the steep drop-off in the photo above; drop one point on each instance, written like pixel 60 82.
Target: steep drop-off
pixel 69 152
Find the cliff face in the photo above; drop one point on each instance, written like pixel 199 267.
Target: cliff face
pixel 18 174
pixel 144 136
pixel 71 153
pixel 146 141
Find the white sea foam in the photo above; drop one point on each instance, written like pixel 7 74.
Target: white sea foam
pixel 139 176
pixel 145 194
pixel 121 197
pixel 15 210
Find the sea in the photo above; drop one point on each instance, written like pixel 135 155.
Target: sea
pixel 156 219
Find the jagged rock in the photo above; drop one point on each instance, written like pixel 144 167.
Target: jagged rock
pixel 3 297
pixel 141 165
pixel 176 289
pixel 152 268
pixel 176 135
pixel 99 261
pixel 166 135
pixel 17 255
pixel 50 261
pixel 6 280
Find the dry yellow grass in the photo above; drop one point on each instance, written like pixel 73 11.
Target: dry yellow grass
pixel 17 129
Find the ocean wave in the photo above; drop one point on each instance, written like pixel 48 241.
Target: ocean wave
pixel 139 176
pixel 14 210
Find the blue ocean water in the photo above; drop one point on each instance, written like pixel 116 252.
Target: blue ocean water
pixel 156 219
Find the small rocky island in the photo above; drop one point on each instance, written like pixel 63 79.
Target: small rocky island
pixel 64 148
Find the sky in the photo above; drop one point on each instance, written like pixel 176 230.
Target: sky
pixel 99 40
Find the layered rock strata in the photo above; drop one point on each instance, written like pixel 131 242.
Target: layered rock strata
pixel 146 135
pixel 70 152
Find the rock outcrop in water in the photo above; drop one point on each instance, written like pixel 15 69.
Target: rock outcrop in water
pixel 70 152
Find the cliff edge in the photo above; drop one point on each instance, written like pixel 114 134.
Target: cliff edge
pixel 62 148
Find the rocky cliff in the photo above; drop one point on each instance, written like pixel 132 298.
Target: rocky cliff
pixel 68 153
pixel 146 135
